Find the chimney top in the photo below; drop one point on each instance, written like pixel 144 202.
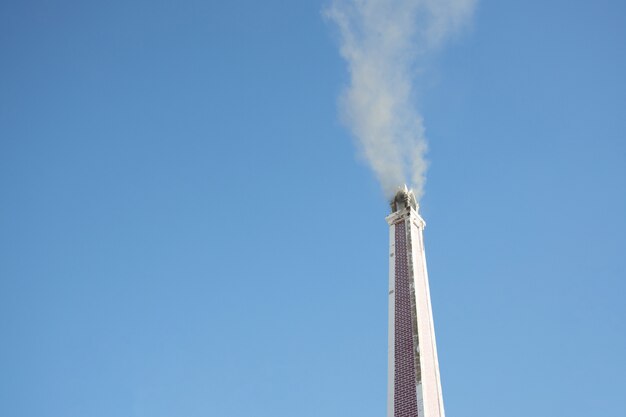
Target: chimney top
pixel 404 198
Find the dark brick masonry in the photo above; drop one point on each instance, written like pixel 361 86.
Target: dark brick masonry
pixel 405 395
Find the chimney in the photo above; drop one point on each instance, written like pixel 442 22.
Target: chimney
pixel 414 387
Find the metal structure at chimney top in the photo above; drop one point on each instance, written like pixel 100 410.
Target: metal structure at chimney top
pixel 414 387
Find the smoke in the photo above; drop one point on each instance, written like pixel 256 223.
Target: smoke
pixel 385 44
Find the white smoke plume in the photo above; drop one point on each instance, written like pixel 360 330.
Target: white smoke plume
pixel 385 44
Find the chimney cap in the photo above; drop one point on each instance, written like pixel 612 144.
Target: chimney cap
pixel 404 198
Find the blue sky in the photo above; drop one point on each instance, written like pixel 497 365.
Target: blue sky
pixel 186 228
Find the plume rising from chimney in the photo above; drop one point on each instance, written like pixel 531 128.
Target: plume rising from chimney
pixel 385 44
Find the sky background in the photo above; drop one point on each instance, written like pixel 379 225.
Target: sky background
pixel 187 230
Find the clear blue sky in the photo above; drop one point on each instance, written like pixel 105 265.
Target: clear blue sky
pixel 186 229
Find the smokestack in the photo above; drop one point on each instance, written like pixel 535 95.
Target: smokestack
pixel 414 387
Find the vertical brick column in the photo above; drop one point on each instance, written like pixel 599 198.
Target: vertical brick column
pixel 406 374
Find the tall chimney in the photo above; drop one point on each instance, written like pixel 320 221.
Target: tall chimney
pixel 414 387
